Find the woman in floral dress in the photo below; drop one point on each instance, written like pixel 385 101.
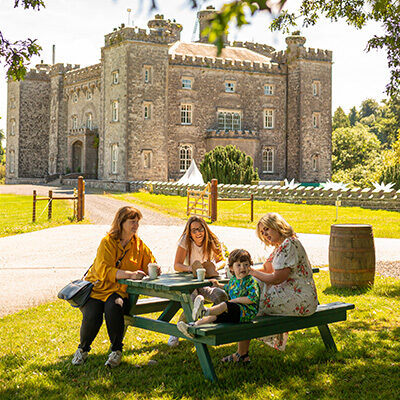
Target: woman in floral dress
pixel 286 278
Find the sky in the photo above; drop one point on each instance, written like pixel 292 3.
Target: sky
pixel 77 28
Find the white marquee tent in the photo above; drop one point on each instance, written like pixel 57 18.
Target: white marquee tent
pixel 192 176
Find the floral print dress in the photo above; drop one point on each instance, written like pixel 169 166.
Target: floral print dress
pixel 297 296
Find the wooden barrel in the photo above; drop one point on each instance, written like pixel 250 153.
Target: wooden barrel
pixel 351 256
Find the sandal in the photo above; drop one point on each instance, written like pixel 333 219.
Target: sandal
pixel 237 358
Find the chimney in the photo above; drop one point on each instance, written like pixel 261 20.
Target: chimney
pixel 54 54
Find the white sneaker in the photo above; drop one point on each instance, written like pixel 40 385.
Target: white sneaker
pixel 114 359
pixel 173 341
pixel 79 357
pixel 198 309
pixel 183 327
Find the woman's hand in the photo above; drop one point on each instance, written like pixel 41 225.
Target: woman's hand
pixel 138 275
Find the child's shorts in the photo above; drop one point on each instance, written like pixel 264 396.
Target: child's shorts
pixel 232 314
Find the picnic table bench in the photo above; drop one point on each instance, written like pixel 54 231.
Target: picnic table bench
pixel 172 291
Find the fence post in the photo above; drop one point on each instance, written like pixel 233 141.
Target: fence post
pixel 81 199
pixel 252 208
pixel 214 197
pixel 34 207
pixel 50 207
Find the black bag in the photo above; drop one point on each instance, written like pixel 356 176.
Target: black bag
pixel 77 292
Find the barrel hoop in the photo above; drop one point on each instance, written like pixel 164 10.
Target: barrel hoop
pixel 355 236
pixel 356 249
pixel 351 271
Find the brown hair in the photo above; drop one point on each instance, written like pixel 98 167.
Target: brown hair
pixel 274 221
pixel 240 255
pixel 211 246
pixel 124 213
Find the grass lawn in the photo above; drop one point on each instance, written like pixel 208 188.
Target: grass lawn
pixel 16 214
pixel 37 346
pixel 304 218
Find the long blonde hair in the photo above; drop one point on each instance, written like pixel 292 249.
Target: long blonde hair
pixel 211 245
pixel 274 221
pixel 124 213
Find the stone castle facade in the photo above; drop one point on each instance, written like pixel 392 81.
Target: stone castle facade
pixel 153 103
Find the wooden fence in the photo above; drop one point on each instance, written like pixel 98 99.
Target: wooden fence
pixel 78 198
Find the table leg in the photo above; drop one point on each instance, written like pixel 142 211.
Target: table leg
pixel 169 312
pixel 201 348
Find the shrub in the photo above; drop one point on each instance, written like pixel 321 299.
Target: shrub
pixel 228 165
pixel 2 173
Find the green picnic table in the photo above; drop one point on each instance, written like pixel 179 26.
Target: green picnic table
pixel 170 292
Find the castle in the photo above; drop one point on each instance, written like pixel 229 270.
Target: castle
pixel 153 103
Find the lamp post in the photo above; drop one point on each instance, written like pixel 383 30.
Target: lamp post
pixel 129 16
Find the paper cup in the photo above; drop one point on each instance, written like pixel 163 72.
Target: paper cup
pixel 201 274
pixel 153 270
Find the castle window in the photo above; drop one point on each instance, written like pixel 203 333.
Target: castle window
pixel 13 125
pixel 269 118
pixel 114 158
pixel 11 161
pixel 315 162
pixel 147 74
pixel 89 95
pixel 115 107
pixel 186 83
pixel 230 87
pixel 74 122
pixel 147 158
pixel 268 90
pixel 229 120
pixel 316 88
pixel 147 110
pixel 185 157
pixel 115 77
pixel 268 160
pixel 75 97
pixel 89 121
pixel 316 120
pixel 186 114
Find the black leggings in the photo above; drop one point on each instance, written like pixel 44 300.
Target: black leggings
pixel 113 309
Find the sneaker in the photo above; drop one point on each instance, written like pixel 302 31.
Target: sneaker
pixel 114 359
pixel 173 341
pixel 198 309
pixel 183 327
pixel 79 357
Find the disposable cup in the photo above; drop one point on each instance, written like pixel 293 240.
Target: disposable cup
pixel 201 274
pixel 153 270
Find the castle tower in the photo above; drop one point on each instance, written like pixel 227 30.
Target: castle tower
pixel 204 17
pixel 28 114
pixel 309 97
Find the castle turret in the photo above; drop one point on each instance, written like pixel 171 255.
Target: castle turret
pixel 204 17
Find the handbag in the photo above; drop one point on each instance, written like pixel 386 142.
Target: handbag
pixel 77 292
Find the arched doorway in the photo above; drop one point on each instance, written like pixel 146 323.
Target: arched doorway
pixel 77 156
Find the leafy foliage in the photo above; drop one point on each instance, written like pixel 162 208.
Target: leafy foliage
pixel 340 119
pixel 228 165
pixel 17 54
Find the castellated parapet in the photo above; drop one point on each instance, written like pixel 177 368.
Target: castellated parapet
pixel 225 63
pixel 263 49
pixel 83 74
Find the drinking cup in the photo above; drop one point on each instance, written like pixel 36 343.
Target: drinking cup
pixel 153 270
pixel 201 274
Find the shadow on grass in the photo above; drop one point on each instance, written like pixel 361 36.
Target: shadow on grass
pixel 388 290
pixel 364 368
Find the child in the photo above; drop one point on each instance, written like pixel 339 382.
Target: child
pixel 243 292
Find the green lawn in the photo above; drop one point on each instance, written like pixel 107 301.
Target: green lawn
pixel 16 214
pixel 37 346
pixel 304 218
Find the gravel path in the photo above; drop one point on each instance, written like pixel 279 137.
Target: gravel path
pixel 37 264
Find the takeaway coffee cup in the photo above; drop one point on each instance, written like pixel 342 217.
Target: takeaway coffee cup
pixel 201 274
pixel 153 270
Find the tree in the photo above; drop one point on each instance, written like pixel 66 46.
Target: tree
pixel 355 12
pixel 352 147
pixel 340 119
pixel 353 116
pixel 369 107
pixel 17 54
pixel 228 165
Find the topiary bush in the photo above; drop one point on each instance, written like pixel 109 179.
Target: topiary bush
pixel 228 165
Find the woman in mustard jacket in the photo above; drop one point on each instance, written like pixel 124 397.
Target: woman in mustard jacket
pixel 121 255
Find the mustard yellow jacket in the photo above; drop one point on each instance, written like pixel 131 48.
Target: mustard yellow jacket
pixel 103 270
